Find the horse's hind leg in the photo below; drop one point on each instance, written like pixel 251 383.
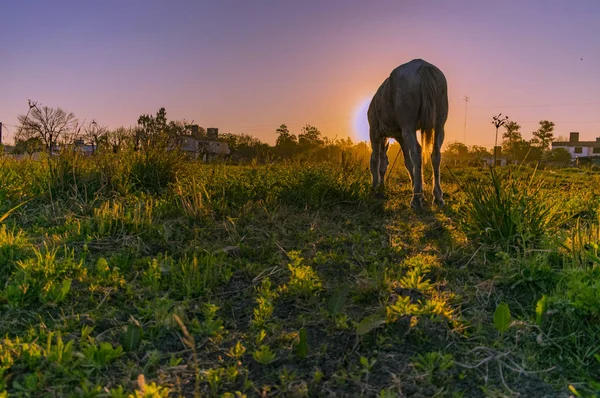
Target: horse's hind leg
pixel 436 158
pixel 376 152
pixel 413 151
pixel 383 160
pixel 407 161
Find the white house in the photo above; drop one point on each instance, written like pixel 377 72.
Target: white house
pixel 205 148
pixel 579 149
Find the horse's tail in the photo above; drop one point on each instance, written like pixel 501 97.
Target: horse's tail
pixel 427 116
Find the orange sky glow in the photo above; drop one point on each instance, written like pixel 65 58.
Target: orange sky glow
pixel 247 67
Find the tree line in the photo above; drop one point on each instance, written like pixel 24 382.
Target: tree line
pixel 515 147
pixel 46 129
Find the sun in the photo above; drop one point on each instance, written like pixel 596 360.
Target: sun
pixel 360 123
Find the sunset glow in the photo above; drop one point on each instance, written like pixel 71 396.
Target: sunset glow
pixel 247 68
pixel 360 122
pixel 191 204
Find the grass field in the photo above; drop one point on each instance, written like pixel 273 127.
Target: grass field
pixel 147 276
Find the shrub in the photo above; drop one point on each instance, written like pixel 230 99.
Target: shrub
pixel 154 170
pixel 73 176
pixel 511 209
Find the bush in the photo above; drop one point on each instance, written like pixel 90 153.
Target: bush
pixel 152 171
pixel 511 209
pixel 72 175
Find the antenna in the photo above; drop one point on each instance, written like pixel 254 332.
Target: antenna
pixel 465 132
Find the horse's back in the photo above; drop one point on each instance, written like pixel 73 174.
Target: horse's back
pixel 410 81
pixel 411 75
pixel 399 99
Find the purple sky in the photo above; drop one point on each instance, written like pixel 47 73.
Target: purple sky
pixel 248 66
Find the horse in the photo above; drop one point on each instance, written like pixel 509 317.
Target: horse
pixel 414 97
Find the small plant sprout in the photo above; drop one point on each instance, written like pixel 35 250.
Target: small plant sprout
pixel 236 352
pixel 502 318
pixel 264 355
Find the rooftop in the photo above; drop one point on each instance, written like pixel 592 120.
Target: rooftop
pixel 577 143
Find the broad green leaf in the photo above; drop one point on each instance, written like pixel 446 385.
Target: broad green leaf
pixel 364 361
pixel 302 347
pixel 65 288
pixel 132 337
pixel 337 300
pixel 502 317
pixel 369 323
pixel 540 308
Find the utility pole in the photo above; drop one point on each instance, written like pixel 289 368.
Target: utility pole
pixel 465 132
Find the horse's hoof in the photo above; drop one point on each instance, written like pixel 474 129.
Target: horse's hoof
pixel 417 203
pixel 439 202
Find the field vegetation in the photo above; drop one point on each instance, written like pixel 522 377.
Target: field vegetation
pixel 138 273
pixel 142 274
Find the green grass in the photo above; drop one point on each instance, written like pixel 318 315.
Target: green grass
pixel 148 276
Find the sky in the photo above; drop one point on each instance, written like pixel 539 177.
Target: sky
pixel 249 66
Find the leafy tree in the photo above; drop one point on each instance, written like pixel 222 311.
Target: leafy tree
pixel 28 146
pixel 345 143
pixel 158 131
pixel 153 125
pixel 544 134
pixel 524 151
pixel 176 131
pixel 310 137
pixel 512 133
pixel 284 136
pixel 559 155
pixel 244 147
pixel 47 124
pixel 286 143
pixel 456 148
pixel 513 143
pixel 150 129
pixel 529 152
pixel 479 151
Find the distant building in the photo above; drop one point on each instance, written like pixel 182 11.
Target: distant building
pixel 579 149
pixel 83 148
pixel 498 157
pixel 78 146
pixel 461 159
pixel 205 147
pixel 464 158
pixel 501 160
pixel 33 156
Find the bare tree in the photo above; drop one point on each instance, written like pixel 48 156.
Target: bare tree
pixel 117 138
pixel 47 124
pixel 95 134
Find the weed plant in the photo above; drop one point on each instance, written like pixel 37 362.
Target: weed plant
pixel 143 274
pixel 511 208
